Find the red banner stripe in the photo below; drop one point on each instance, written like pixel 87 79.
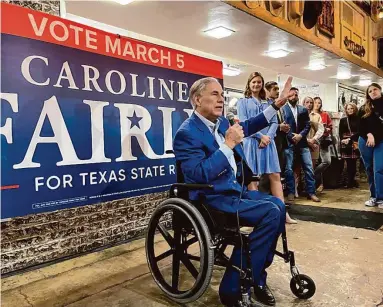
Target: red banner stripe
pixel 36 25
pixel 9 187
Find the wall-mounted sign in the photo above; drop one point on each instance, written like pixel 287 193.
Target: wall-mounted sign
pixel 86 116
pixel 354 47
pixel 326 19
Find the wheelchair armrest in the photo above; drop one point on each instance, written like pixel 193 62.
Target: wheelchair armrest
pixel 193 186
pixel 255 178
pixel 186 187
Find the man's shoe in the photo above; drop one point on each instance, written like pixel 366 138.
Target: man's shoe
pixel 314 198
pixel 239 304
pixel 290 197
pixel 264 295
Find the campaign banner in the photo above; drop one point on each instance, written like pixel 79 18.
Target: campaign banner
pixel 86 116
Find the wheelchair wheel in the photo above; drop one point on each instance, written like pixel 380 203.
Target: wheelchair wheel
pixel 302 286
pixel 183 266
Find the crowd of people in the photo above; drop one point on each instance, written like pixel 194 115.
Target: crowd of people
pixel 299 138
pixel 279 136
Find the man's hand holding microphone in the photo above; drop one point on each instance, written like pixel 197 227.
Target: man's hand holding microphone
pixel 234 135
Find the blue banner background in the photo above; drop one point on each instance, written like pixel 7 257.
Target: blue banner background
pixel 25 200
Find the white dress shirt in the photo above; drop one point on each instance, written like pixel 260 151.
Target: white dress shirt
pixel 295 112
pixel 226 150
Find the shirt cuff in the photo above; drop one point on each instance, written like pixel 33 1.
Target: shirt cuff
pixel 269 113
pixel 227 151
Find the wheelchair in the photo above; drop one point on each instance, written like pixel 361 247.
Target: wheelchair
pixel 195 237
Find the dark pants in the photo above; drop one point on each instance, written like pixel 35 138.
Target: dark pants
pixel 351 172
pixel 267 215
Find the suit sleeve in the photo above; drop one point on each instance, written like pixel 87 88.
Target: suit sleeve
pixel 195 165
pixel 306 120
pixel 256 123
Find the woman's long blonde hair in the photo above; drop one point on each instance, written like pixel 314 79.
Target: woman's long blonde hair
pixel 368 104
pixel 262 92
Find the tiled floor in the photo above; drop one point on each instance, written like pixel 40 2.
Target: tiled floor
pixel 345 262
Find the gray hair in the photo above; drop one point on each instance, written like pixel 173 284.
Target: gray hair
pixel 198 87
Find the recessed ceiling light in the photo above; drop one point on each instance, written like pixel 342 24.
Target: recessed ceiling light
pixel 364 82
pixel 316 66
pixel 231 71
pixel 278 53
pixel 343 75
pixel 219 32
pixel 123 2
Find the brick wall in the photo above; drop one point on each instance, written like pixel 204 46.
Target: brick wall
pixel 50 7
pixel 38 238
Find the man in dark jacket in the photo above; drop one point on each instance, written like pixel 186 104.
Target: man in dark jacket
pixel 272 92
pixel 297 117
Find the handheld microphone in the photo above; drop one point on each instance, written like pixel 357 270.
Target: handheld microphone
pixel 231 118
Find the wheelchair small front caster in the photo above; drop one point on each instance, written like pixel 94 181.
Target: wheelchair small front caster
pixel 302 286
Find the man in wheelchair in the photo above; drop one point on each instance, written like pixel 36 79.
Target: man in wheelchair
pixel 209 151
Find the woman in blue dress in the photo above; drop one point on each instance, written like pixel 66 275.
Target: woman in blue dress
pixel 260 150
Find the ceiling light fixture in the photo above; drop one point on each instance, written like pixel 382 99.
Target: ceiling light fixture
pixel 316 66
pixel 219 32
pixel 365 82
pixel 278 53
pixel 344 75
pixel 123 2
pixel 231 71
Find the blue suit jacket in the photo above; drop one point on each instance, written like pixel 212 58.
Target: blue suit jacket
pixel 202 162
pixel 302 128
